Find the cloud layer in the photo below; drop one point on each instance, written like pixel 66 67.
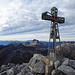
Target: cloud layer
pixel 23 17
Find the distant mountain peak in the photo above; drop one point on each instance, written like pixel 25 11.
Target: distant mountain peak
pixel 35 40
pixel 14 43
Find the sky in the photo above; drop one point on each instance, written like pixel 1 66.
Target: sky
pixel 21 19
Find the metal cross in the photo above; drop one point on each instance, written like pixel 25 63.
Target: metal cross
pixel 54 30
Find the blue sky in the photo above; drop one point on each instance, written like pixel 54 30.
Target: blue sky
pixel 21 19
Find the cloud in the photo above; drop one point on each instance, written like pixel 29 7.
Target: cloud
pixel 24 16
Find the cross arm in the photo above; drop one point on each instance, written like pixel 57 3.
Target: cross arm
pixel 46 16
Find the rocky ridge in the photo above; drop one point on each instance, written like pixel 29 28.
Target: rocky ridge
pixel 40 65
pixel 15 54
pixel 19 53
pixel 68 50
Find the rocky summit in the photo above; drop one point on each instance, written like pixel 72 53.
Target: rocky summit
pixel 41 65
pixel 35 43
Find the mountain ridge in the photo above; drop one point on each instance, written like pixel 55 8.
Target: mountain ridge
pixel 6 42
pixel 22 52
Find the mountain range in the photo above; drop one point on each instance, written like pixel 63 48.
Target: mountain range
pixel 21 52
pixel 17 52
pixel 6 42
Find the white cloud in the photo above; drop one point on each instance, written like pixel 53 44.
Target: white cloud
pixel 5 26
pixel 24 16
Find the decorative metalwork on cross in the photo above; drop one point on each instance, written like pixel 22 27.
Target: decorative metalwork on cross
pixel 54 30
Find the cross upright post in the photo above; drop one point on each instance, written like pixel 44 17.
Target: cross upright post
pixel 54 30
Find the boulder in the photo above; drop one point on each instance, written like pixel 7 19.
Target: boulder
pixel 4 68
pixel 60 73
pixel 25 71
pixel 51 62
pixel 19 73
pixel 11 65
pixel 66 69
pixel 39 67
pixel 29 73
pixel 12 71
pixel 65 62
pixel 3 73
pixel 37 56
pixel 34 59
pixel 32 62
pixel 72 63
pixel 65 59
pixel 54 72
pixel 56 64
pixel 48 69
pixel 20 67
pixel 37 63
pixel 25 64
pixel 45 60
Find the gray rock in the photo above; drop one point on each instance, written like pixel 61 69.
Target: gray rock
pixel 20 67
pixel 32 62
pixel 12 71
pixel 19 73
pixel 11 65
pixel 48 69
pixel 56 64
pixel 38 56
pixel 39 67
pixel 3 73
pixel 17 66
pixel 54 72
pixel 25 71
pixel 25 64
pixel 51 63
pixel 65 59
pixel 4 68
pixel 72 63
pixel 60 73
pixel 30 73
pixel 66 69
pixel 34 59
pixel 66 62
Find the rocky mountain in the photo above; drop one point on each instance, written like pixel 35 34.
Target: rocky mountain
pixel 35 43
pixel 26 43
pixel 13 43
pixel 15 53
pixel 68 50
pixel 19 53
pixel 22 52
